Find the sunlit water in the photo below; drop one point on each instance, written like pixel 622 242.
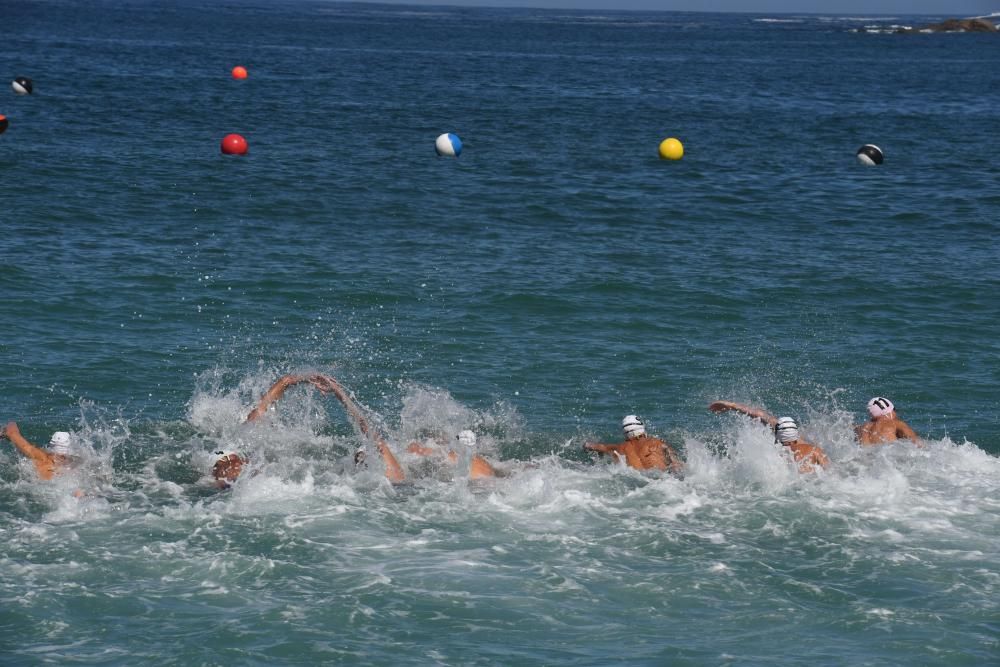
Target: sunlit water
pixel 554 278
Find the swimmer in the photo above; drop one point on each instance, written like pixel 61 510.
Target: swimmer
pixel 50 462
pixel 229 465
pixel 478 467
pixel 326 384
pixel 884 425
pixel 786 433
pixel 640 450
pixel 227 468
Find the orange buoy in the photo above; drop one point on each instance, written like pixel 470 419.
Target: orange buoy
pixel 3 123
pixel 234 144
pixel 239 72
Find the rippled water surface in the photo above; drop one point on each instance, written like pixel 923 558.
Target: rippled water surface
pixel 552 279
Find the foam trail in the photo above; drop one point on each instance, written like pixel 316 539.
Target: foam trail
pixel 305 531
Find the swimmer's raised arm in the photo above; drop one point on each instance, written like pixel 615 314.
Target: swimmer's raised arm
pixel 273 394
pixel 327 384
pixel 719 407
pixel 324 383
pixel 13 433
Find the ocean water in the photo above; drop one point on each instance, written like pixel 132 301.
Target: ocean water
pixel 553 278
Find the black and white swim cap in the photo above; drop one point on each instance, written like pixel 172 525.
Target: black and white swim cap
pixel 879 406
pixel 60 443
pixel 786 430
pixel 633 427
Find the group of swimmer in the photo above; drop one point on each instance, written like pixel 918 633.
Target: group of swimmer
pixel 647 453
pixel 639 450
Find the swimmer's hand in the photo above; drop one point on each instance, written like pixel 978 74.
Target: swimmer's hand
pixel 324 383
pixel 720 406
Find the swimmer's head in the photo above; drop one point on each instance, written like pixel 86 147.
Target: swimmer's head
pixel 467 438
pixel 60 443
pixel 228 466
pixel 786 430
pixel 880 407
pixel 633 427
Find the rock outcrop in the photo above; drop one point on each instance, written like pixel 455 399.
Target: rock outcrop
pixel 956 25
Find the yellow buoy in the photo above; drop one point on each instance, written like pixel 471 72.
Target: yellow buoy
pixel 671 149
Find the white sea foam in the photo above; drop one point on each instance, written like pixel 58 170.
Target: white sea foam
pixel 742 523
pixel 843 19
pixel 932 491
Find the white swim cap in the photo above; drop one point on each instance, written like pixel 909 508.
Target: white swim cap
pixel 879 407
pixel 467 438
pixel 633 427
pixel 225 456
pixel 59 444
pixel 786 430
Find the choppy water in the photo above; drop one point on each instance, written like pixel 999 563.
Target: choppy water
pixel 552 279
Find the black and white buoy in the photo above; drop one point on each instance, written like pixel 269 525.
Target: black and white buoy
pixel 22 85
pixel 870 155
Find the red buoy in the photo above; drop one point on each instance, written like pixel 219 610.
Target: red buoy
pixel 234 144
pixel 3 123
pixel 239 72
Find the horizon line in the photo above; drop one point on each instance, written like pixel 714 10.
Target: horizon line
pixel 473 4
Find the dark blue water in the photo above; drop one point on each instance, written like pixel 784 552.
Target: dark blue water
pixel 553 278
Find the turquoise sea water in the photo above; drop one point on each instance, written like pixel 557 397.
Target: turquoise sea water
pixel 552 279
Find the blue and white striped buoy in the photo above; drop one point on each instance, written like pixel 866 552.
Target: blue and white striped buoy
pixel 448 145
